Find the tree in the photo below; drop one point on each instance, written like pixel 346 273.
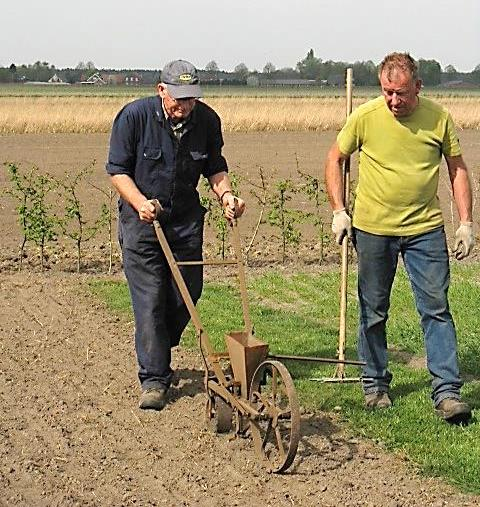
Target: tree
pixel 365 73
pixel 450 69
pixel 212 67
pixel 430 72
pixel 287 73
pixel 13 71
pixel 5 75
pixel 333 72
pixel 269 68
pixel 39 71
pixel 241 70
pixel 72 75
pixel 310 66
pixel 476 74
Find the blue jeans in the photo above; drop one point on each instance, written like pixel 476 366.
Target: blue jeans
pixel 425 257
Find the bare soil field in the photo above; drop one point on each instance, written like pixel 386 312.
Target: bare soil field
pixel 70 430
pixel 277 154
pixel 71 433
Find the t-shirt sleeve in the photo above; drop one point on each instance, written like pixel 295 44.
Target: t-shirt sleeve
pixel 450 143
pixel 349 139
pixel 121 155
pixel 216 162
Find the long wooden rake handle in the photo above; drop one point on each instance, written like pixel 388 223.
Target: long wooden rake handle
pixel 342 336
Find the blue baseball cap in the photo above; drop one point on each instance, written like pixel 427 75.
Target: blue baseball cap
pixel 181 79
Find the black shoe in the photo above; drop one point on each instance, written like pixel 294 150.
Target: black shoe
pixel 453 411
pixel 154 398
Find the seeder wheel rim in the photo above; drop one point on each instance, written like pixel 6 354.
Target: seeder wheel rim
pixel 276 431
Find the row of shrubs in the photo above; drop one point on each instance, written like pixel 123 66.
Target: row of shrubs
pixel 50 211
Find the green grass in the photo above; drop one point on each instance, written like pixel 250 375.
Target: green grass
pixel 298 314
pixel 21 90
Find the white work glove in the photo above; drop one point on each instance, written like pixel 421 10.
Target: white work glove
pixel 341 225
pixel 464 240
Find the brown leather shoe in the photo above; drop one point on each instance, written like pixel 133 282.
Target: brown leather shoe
pixel 453 411
pixel 377 401
pixel 154 398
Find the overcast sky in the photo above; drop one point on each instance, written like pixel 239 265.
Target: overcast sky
pixel 143 34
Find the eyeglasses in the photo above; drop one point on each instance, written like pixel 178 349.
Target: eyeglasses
pixel 183 99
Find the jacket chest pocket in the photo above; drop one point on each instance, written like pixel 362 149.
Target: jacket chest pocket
pixel 152 153
pixel 193 165
pixel 199 156
pixel 151 172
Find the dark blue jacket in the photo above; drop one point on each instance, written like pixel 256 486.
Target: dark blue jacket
pixel 143 146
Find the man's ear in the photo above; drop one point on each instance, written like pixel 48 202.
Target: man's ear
pixel 161 89
pixel 418 85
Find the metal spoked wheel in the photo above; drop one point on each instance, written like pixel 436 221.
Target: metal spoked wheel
pixel 276 429
pixel 219 414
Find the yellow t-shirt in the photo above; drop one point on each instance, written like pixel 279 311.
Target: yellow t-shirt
pixel 398 166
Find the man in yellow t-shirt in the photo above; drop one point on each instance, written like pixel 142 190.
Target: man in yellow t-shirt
pixel 401 138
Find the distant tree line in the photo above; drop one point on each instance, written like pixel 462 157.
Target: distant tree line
pixel 43 71
pixel 310 68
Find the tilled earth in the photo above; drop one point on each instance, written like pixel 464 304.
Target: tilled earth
pixel 71 432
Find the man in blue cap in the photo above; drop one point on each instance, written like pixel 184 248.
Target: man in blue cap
pixel 159 148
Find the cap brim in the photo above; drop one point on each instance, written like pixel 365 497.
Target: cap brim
pixel 184 91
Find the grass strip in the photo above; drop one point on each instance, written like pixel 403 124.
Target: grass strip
pixel 298 314
pixel 25 90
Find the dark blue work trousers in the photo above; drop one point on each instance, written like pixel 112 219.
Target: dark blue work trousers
pixel 159 310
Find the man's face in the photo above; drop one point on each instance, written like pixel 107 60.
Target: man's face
pixel 400 91
pixel 177 109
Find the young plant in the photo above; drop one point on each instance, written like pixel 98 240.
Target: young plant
pixel 31 191
pixel 262 201
pixel 73 223
pixel 215 216
pixel 283 217
pixel 107 211
pixel 20 193
pixel 312 188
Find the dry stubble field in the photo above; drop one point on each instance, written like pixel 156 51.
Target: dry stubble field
pixel 70 432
